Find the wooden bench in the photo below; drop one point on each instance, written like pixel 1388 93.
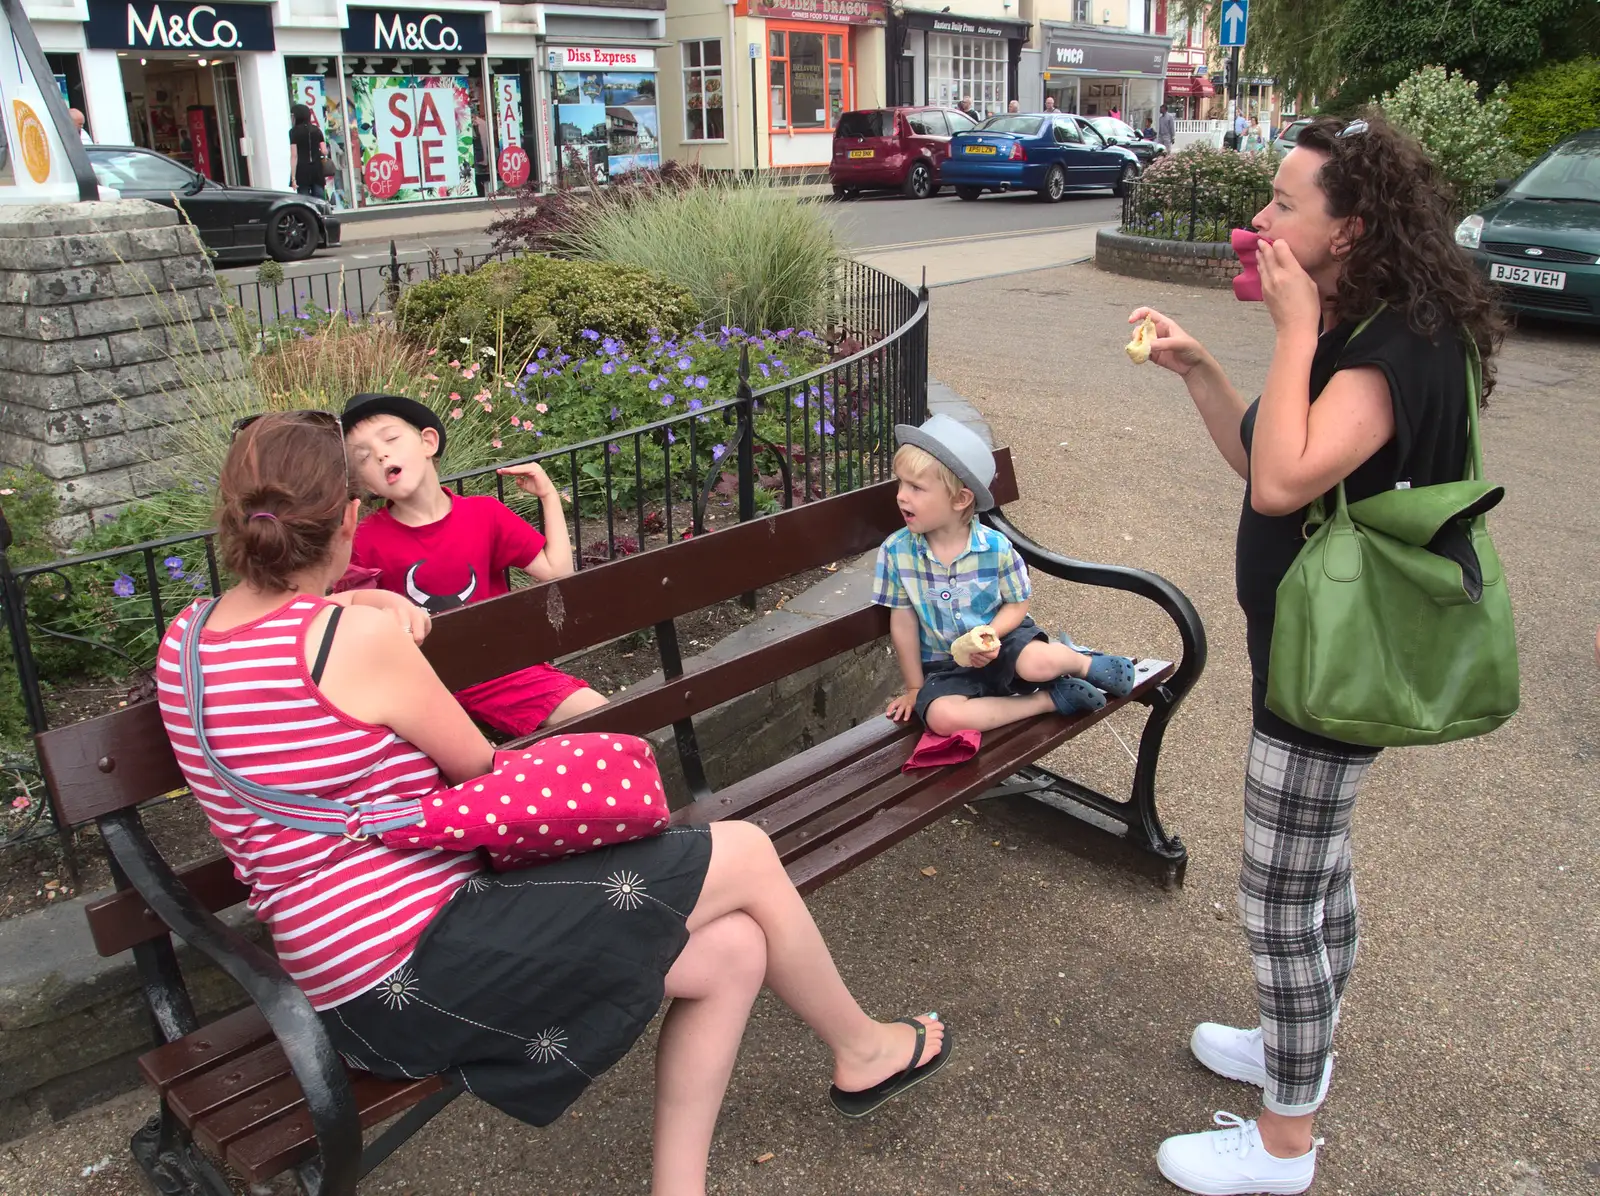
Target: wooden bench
pixel 262 1091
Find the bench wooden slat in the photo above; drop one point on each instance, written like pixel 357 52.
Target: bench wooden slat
pixel 109 763
pixel 124 920
pixel 289 1140
pixel 540 623
pixel 744 798
pixel 951 786
pixel 660 703
pixel 193 1098
pixel 250 1113
pixel 226 1038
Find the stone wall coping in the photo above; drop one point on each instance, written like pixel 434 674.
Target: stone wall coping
pixel 1113 238
pixel 30 221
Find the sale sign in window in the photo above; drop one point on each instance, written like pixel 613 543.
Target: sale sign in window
pixel 513 166
pixel 416 134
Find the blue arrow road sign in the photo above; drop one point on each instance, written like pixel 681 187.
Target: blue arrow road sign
pixel 1235 22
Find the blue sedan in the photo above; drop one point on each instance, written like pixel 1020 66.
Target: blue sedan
pixel 1049 153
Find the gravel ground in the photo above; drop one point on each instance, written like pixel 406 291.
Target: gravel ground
pixel 1466 1057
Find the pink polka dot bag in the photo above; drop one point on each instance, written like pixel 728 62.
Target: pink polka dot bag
pixel 557 797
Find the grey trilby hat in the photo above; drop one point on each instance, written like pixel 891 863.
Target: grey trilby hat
pixel 957 447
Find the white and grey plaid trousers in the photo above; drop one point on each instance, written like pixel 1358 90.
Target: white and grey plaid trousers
pixel 1297 899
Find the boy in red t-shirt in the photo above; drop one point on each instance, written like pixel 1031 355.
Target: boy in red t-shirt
pixel 442 550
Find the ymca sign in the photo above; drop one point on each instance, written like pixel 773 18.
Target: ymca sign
pixel 414 31
pixel 153 25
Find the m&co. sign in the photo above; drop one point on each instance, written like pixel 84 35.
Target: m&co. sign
pixel 601 58
pixel 147 25
pixel 414 31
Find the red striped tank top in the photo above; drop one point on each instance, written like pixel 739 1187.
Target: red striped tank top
pixel 343 914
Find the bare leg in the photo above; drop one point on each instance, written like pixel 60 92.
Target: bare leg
pixel 1041 661
pixel 574 704
pixel 1286 1137
pixel 952 713
pixel 746 875
pixel 712 985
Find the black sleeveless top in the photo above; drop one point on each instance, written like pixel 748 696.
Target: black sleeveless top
pixel 1428 386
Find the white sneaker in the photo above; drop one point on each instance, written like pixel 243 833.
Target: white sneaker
pixel 1231 1161
pixel 1239 1054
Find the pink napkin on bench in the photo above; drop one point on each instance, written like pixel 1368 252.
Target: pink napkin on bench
pixel 1247 283
pixel 358 577
pixel 935 751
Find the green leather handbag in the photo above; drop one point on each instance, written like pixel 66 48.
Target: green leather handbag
pixel 1393 625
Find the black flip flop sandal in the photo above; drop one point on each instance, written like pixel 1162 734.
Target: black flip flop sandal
pixel 859 1104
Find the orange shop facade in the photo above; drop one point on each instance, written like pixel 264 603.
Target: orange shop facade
pixel 809 62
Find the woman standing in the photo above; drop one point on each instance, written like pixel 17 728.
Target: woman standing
pixel 1254 141
pixel 523 986
pixel 305 153
pixel 1373 306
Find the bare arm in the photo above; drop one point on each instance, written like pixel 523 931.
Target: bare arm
pixel 294 165
pixel 376 674
pixel 1221 407
pixel 555 558
pixel 1009 618
pixel 906 636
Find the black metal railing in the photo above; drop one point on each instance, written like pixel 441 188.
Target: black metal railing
pixel 765 448
pixel 352 292
pixel 1188 208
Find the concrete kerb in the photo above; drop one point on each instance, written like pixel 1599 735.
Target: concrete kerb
pixel 71 1022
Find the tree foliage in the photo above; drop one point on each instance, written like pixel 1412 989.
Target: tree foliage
pixel 1465 136
pixel 1553 102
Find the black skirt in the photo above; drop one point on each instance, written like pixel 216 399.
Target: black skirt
pixel 529 984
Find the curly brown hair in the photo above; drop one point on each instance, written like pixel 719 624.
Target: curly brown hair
pixel 1406 255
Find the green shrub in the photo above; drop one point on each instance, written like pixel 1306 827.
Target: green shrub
pixel 1465 136
pixel 1553 102
pixel 752 255
pixel 1201 193
pixel 536 301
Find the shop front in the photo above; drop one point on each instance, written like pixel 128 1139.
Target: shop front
pixel 944 57
pixel 1187 91
pixel 1094 72
pixel 605 120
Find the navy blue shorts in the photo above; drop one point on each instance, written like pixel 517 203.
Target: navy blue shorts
pixel 998 679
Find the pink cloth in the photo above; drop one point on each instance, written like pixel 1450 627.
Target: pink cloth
pixel 935 751
pixel 1247 283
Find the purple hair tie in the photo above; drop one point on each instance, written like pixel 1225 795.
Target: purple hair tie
pixel 263 515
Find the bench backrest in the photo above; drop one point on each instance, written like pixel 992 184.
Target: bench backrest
pixel 122 760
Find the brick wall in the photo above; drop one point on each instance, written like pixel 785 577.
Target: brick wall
pixel 1197 263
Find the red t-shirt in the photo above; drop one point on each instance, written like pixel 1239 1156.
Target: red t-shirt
pixel 459 559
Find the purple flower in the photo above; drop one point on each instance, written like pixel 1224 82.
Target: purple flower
pixel 533 369
pixel 784 333
pixel 636 369
pixel 666 400
pixel 695 404
pixel 589 334
pixel 701 381
pixel 199 583
pixel 799 400
pixel 542 354
pixel 123 586
pixel 765 371
pixel 610 346
pixel 718 451
pixel 608 368
pixel 655 384
pixel 174 566
pixel 614 449
pixel 823 427
pixel 685 363
pixel 616 413
pixel 671 439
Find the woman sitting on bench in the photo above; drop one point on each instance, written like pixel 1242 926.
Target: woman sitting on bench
pixel 523 986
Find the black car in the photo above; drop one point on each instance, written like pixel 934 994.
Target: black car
pixel 234 222
pixel 1117 132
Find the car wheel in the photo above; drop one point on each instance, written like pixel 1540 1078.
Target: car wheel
pixel 919 181
pixel 1123 180
pixel 1055 186
pixel 969 193
pixel 292 235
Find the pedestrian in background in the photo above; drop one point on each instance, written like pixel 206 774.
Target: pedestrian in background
pixel 1254 142
pixel 1049 103
pixel 1374 309
pixel 964 106
pixel 305 153
pixel 1013 106
pixel 1167 127
pixel 78 121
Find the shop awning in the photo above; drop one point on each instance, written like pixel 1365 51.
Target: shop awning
pixel 1199 86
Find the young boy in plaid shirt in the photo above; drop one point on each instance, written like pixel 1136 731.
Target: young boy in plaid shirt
pixel 945 574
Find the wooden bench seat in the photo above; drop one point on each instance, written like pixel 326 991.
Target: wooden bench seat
pixel 262 1091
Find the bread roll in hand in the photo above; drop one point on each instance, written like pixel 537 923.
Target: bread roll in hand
pixel 1144 337
pixel 979 639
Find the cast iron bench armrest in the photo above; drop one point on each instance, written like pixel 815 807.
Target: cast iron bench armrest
pixel 1121 577
pixel 316 1065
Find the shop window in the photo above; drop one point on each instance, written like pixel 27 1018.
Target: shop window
pixel 606 124
pixel 1082 11
pixel 702 90
pixel 968 66
pixel 807 76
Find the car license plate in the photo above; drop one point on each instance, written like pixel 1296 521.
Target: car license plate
pixel 1527 276
pixel 980 149
pixel 861 153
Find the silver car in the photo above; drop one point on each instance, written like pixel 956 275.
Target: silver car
pixel 1287 136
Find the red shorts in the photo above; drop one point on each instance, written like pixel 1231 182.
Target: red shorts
pixel 518 703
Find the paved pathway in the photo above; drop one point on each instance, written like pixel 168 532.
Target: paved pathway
pixel 1466 1061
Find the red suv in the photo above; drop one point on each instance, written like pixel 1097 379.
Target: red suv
pixel 896 149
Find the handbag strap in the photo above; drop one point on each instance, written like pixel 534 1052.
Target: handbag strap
pixel 297 811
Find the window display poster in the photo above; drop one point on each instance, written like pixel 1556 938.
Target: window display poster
pixel 328 115
pixel 416 137
pixel 515 164
pixel 606 125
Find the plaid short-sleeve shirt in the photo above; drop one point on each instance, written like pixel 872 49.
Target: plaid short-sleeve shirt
pixel 949 600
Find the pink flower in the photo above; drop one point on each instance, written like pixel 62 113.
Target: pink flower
pixel 431 353
pixel 20 803
pixel 481 395
pixel 496 443
pixel 456 414
pixel 515 422
pixel 455 365
pixel 454 397
pixel 541 409
pixel 488 406
pixel 431 377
